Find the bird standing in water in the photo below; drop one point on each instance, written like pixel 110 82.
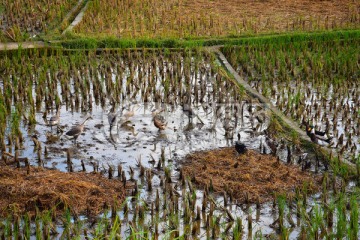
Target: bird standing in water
pixel 240 146
pixel 112 117
pixel 76 130
pixel 112 114
pixel 315 135
pixel 188 111
pixel 54 120
pixel 159 121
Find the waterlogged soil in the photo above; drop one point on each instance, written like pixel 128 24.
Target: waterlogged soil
pixel 134 138
pixel 135 143
pixel 24 190
pixel 249 178
pixel 131 88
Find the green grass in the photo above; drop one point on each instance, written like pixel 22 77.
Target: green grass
pixel 112 42
pixel 2 8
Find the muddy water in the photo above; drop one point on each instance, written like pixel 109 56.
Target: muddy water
pixel 135 138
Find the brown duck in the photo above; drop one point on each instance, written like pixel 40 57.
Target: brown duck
pixel 159 121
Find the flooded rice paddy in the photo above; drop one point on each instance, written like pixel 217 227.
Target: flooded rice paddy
pixel 130 86
pixel 310 83
pixel 133 136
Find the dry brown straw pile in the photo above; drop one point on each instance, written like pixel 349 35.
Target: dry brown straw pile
pixel 82 193
pixel 250 176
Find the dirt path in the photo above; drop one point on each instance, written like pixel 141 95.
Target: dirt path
pixel 23 45
pixel 253 93
pixel 73 11
pixel 78 17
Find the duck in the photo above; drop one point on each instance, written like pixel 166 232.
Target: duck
pixel 54 120
pixel 316 132
pixel 112 117
pixel 159 121
pixel 76 130
pixel 315 135
pixel 240 147
pixel 51 138
pixel 186 107
pixel 129 113
pixel 311 133
pixel 188 111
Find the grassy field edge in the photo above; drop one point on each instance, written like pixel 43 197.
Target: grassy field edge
pixel 111 42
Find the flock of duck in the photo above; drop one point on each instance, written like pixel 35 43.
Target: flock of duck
pixel 160 122
pixel 74 131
